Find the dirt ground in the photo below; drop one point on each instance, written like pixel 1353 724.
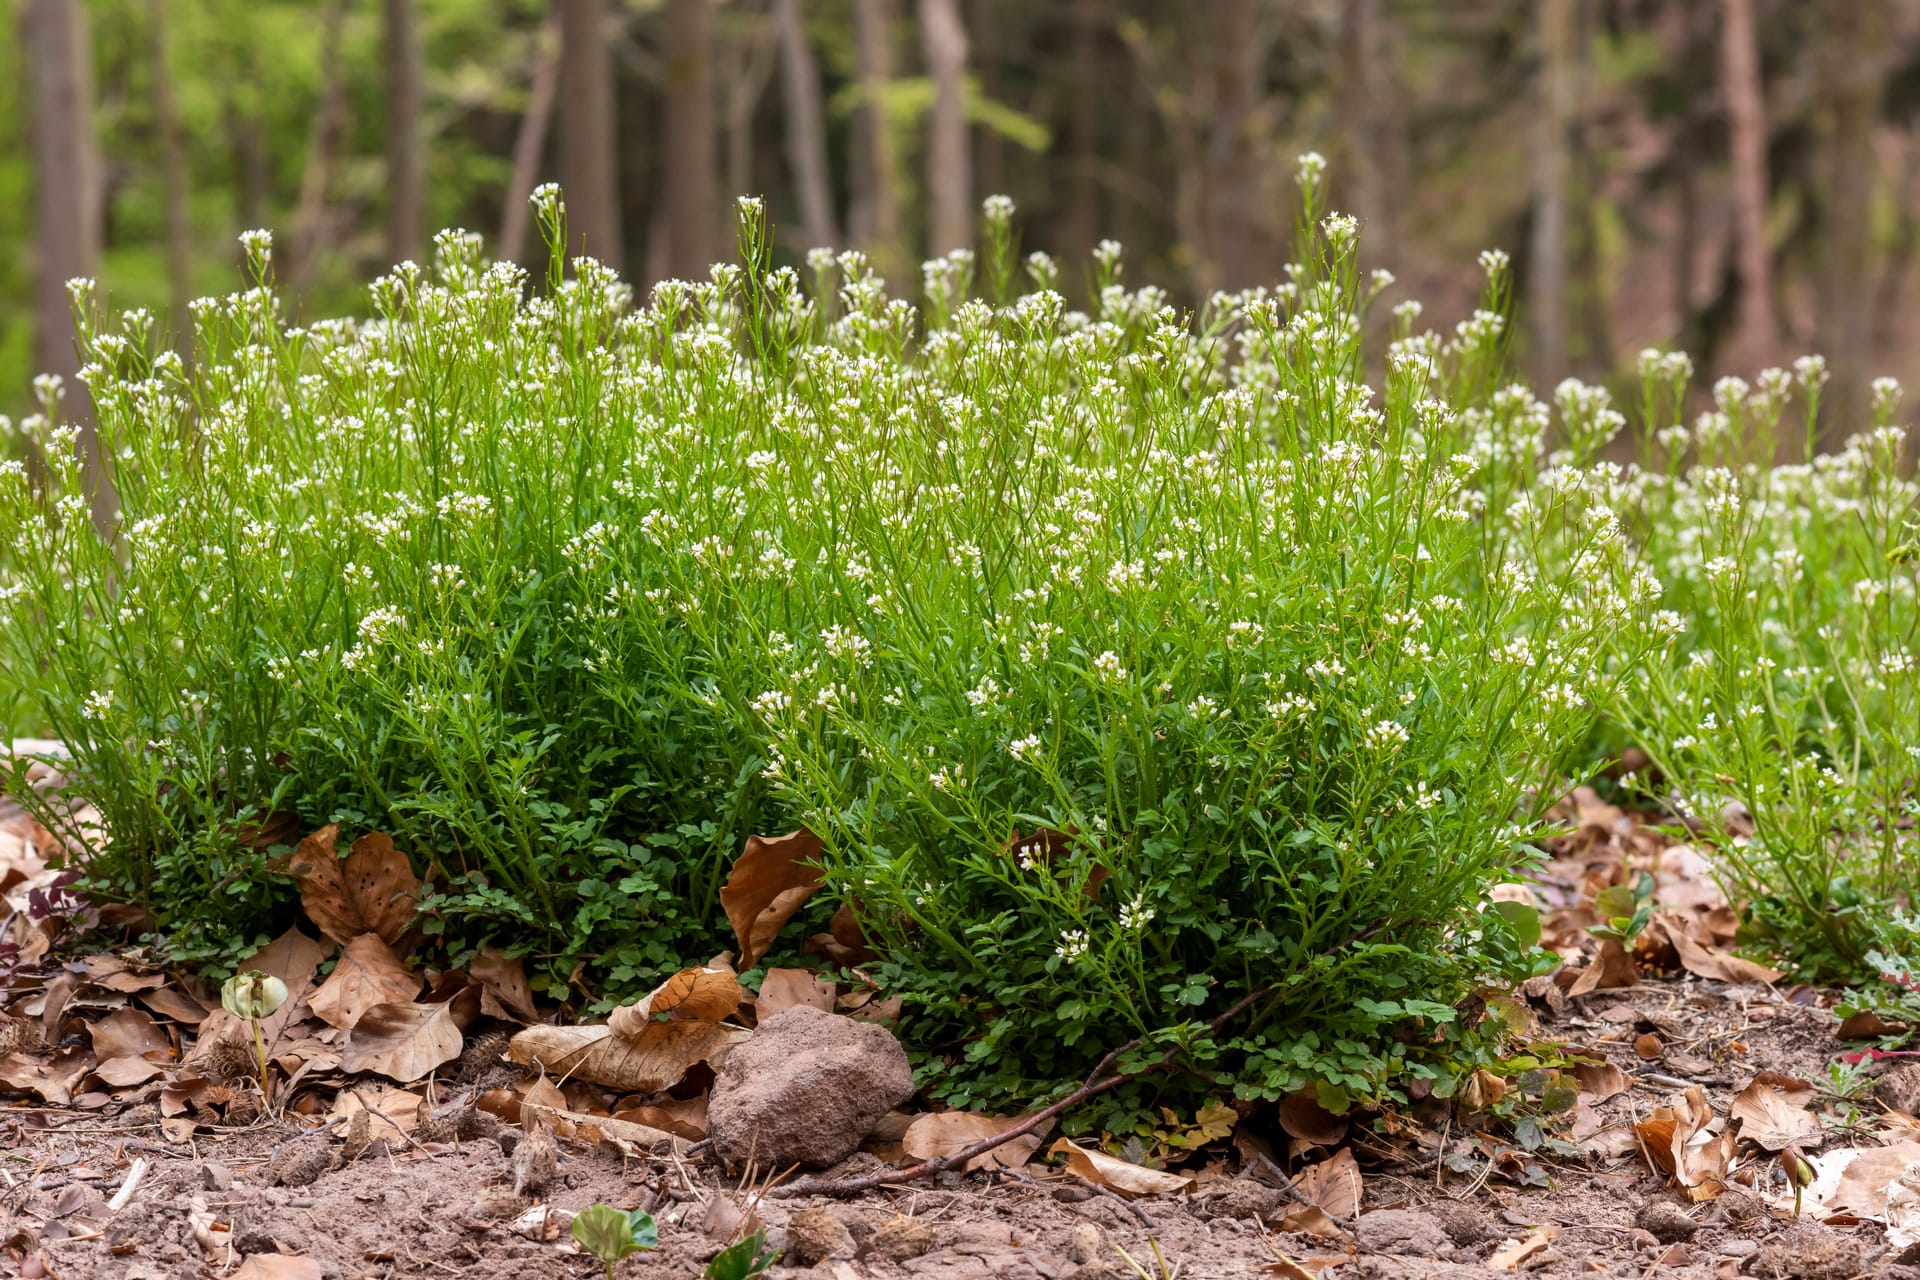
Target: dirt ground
pixel 1435 1203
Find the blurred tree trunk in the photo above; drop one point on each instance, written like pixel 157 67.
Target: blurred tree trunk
pixel 989 148
pixel 943 36
pixel 1756 338
pixel 312 227
pixel 1364 86
pixel 805 127
pixel 876 208
pixel 692 161
pixel 1231 249
pixel 67 210
pixel 1552 165
pixel 406 159
pixel 749 45
pixel 1849 61
pixel 173 168
pixel 1089 20
pixel 531 141
pixel 589 147
pixel 245 121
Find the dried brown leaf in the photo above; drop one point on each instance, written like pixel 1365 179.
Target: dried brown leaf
pixel 1514 1254
pixel 1332 1187
pixel 129 1033
pixel 691 995
pixel 279 1266
pixel 623 1136
pixel 367 974
pixel 654 1060
pixel 1601 1080
pixel 1117 1175
pixel 1701 956
pixel 503 983
pixel 773 877
pixel 784 988
pixel 1305 1120
pixel 371 890
pixel 403 1041
pixel 941 1133
pixel 1768 1117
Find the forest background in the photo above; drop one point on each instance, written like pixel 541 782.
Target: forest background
pixel 1736 178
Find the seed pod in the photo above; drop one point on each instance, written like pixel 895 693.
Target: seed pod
pixel 252 995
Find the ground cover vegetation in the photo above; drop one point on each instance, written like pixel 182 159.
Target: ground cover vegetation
pixel 1130 667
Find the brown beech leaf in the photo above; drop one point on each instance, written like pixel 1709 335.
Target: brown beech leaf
pixel 1330 1189
pixel 682 1117
pixel 503 986
pixel 129 1033
pixel 125 1072
pixel 1678 1142
pixel 691 995
pixel 1513 1254
pixel 1117 1175
pixel 371 890
pixel 656 1059
pixel 1306 1121
pixel 845 942
pixel 784 988
pixel 391 1113
pixel 623 1136
pixel 1601 1080
pixel 1768 1116
pixel 774 876
pixel 403 1041
pixel 367 974
pixel 1610 969
pixel 941 1133
pixel 1708 960
pixel 171 1002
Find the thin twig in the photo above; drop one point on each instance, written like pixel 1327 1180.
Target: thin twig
pixel 957 1159
pixel 130 1184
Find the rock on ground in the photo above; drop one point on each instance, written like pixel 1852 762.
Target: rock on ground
pixel 1404 1232
pixel 806 1089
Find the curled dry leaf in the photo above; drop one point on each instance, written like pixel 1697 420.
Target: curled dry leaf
pixel 623 1136
pixel 1610 969
pixel 649 1062
pixel 391 1113
pixel 941 1133
pixel 1601 1080
pixel 367 974
pixel 1700 955
pixel 682 1117
pixel 845 942
pixel 504 993
pixel 1119 1175
pixel 691 995
pixel 1329 1192
pixel 1856 1181
pixel 1309 1123
pixel 784 988
pixel 1769 1117
pixel 1678 1140
pixel 1514 1254
pixel 774 876
pixel 403 1041
pixel 372 890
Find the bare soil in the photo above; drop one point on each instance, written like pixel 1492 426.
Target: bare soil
pixel 1438 1202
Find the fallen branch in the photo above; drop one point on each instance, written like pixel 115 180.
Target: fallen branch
pixel 1096 1084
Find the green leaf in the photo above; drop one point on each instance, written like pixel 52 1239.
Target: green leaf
pixel 1524 918
pixel 610 1234
pixel 743 1259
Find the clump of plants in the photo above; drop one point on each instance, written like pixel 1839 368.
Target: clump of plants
pixel 1133 668
pixel 1784 727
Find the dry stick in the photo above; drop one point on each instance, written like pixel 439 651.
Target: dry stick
pixel 1094 1086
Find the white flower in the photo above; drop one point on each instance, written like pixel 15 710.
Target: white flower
pixel 988 690
pixel 97 705
pixel 1386 735
pixel 1073 945
pixel 1136 914
pixel 1109 668
pixel 1024 749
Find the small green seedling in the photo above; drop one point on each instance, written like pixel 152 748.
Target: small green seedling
pixel 1799 1172
pixel 254 995
pixel 743 1259
pixel 1624 910
pixel 610 1234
